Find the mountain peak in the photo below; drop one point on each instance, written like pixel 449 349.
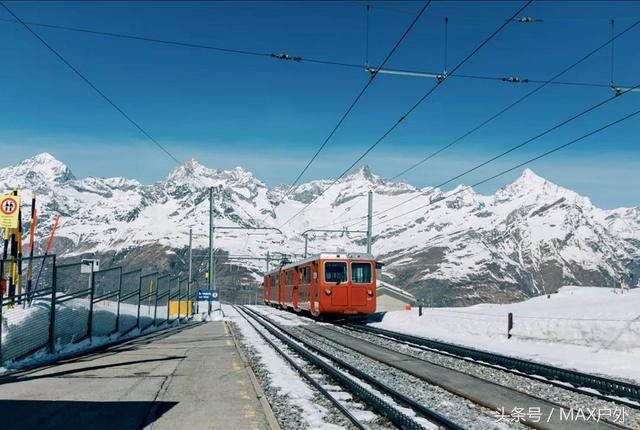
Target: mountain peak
pixel 41 167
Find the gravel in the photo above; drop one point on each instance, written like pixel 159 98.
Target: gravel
pixel 460 410
pixel 289 414
pixel 534 387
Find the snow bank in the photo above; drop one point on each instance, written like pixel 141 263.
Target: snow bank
pixel 595 330
pixel 25 330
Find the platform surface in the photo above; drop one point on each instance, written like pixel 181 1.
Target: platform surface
pixel 191 378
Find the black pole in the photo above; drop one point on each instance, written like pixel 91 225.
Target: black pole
pixel 92 294
pixel 52 312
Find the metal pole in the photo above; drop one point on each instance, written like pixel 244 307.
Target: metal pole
pixel 190 268
pixel 211 230
pixel 52 309
pixel 92 294
pixel 369 222
pixel 306 241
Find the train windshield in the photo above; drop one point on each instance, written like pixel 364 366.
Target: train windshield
pixel 361 273
pixel 335 272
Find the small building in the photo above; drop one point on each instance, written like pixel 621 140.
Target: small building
pixel 392 298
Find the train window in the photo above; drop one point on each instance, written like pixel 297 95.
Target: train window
pixel 335 272
pixel 361 273
pixel 290 277
pixel 305 275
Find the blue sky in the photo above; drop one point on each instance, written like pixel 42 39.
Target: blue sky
pixel 270 116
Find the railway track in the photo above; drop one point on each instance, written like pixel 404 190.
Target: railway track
pixel 381 398
pixel 606 388
pixel 354 347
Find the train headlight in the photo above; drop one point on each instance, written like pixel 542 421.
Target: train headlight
pixel 327 292
pixel 370 293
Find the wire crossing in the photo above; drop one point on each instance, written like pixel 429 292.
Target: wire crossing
pixel 520 145
pixel 517 166
pixel 410 111
pixel 495 116
pixel 303 59
pixel 93 86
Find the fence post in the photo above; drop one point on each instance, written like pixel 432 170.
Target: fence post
pixel 509 324
pixel 139 295
pixel 179 298
pixel 92 294
pixel 52 312
pixel 188 296
pixel 155 306
pixel 118 307
pixel 169 302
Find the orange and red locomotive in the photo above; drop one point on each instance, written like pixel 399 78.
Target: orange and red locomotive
pixel 324 284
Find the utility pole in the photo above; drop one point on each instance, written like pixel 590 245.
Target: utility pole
pixel 211 230
pixel 369 222
pixel 190 262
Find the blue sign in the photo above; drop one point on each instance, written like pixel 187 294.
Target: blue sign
pixel 207 295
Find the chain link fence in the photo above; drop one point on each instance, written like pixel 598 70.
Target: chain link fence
pixel 49 308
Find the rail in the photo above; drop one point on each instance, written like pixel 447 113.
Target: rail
pixel 601 384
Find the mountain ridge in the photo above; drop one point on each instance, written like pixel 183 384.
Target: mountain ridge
pixel 528 238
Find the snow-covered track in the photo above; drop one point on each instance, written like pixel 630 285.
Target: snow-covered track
pixel 318 386
pixel 577 380
pixel 312 354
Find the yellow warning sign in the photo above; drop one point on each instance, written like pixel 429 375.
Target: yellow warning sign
pixel 9 206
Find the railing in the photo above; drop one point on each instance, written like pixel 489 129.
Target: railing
pixel 61 307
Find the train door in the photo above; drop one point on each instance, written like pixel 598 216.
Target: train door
pixel 362 282
pixel 314 306
pixel 295 295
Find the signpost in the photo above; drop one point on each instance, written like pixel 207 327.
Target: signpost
pixel 9 206
pixel 207 295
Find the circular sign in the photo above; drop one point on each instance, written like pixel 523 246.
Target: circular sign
pixel 8 206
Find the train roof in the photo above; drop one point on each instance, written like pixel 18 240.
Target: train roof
pixel 326 255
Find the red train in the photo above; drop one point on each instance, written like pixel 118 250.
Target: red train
pixel 324 284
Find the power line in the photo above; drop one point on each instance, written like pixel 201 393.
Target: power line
pixel 518 146
pixel 504 172
pixel 411 110
pixel 355 101
pixel 96 89
pixel 297 58
pixel 521 99
pixel 496 115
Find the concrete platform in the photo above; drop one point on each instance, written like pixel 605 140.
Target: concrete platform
pixel 191 378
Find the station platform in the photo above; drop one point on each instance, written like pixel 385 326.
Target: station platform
pixel 192 377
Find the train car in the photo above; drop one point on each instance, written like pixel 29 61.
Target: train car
pixel 324 284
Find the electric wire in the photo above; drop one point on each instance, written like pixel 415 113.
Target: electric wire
pixel 407 113
pixel 520 145
pixel 519 165
pixel 286 57
pixel 93 86
pixel 356 100
pixel 493 117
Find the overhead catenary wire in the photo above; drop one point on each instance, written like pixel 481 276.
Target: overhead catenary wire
pixel 296 58
pixel 519 165
pixel 356 100
pixel 542 85
pixel 93 86
pixel 408 112
pixel 499 113
pixel 522 144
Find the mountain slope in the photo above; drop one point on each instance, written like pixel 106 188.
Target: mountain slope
pixel 530 237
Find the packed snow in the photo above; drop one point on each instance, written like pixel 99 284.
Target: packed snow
pixel 590 329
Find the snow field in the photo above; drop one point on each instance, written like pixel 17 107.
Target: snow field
pixel 590 329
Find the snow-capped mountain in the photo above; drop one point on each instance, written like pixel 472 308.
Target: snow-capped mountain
pixel 530 237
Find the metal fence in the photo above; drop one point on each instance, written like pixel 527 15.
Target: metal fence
pixel 52 307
